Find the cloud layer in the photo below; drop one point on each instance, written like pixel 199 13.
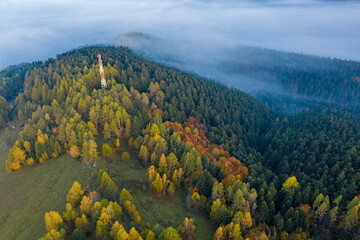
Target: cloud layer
pixel 42 29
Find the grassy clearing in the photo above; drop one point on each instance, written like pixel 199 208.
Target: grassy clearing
pixel 26 195
pixel 167 211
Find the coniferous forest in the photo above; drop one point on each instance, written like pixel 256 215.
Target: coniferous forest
pixel 318 79
pixel 252 171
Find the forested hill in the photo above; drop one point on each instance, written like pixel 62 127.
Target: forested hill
pixel 184 95
pixel 149 106
pixel 328 81
pixel 294 79
pixel 13 78
pixel 255 173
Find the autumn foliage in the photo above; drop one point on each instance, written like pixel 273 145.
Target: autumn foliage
pixel 191 133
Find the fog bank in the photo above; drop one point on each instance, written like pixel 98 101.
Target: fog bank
pixel 38 29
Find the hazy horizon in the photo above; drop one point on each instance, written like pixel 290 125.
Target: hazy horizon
pixel 39 30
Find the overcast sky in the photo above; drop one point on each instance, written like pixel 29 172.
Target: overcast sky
pixel 36 30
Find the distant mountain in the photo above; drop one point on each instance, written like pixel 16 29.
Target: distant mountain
pixel 149 46
pixel 303 80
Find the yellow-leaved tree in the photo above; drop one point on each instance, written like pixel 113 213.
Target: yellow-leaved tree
pixel 93 153
pixel 107 151
pixel 75 194
pixel 53 221
pixel 86 206
pixel 27 146
pixel 102 224
pixel 53 235
pixel 134 235
pixel 247 222
pixel 121 234
pixel 236 232
pixel 125 156
pixel 290 184
pixel 82 222
pixel 157 184
pixel 114 229
pixel 16 158
pixel 74 151
pixel 70 214
pixel 151 172
pixel 218 234
pixel 163 163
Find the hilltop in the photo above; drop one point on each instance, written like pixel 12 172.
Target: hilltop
pixel 288 81
pixel 168 155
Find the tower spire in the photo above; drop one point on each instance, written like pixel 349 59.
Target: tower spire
pixel 103 80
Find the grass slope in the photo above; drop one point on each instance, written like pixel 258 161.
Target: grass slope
pixel 167 211
pixel 26 195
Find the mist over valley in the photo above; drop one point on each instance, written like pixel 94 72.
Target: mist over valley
pixel 180 120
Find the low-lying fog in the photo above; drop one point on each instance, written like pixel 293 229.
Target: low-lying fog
pixel 31 30
pixel 199 34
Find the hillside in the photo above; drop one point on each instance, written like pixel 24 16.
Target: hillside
pixel 176 155
pixel 307 79
pixel 28 194
pixel 72 121
pixel 287 81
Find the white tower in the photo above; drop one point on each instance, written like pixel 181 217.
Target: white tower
pixel 103 80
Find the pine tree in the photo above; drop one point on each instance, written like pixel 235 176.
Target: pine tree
pixel 90 153
pixel 215 209
pixel 150 235
pixel 171 234
pixel 157 184
pixel 217 191
pixel 125 196
pixel 154 130
pixel 151 172
pixel 107 131
pixel 115 229
pixel 162 164
pixel 173 162
pixel 171 189
pixel 144 153
pixel 205 183
pixel 236 233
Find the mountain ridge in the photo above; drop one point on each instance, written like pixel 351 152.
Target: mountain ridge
pixel 219 145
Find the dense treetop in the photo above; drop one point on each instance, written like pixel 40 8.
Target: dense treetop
pixel 331 81
pixel 250 169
